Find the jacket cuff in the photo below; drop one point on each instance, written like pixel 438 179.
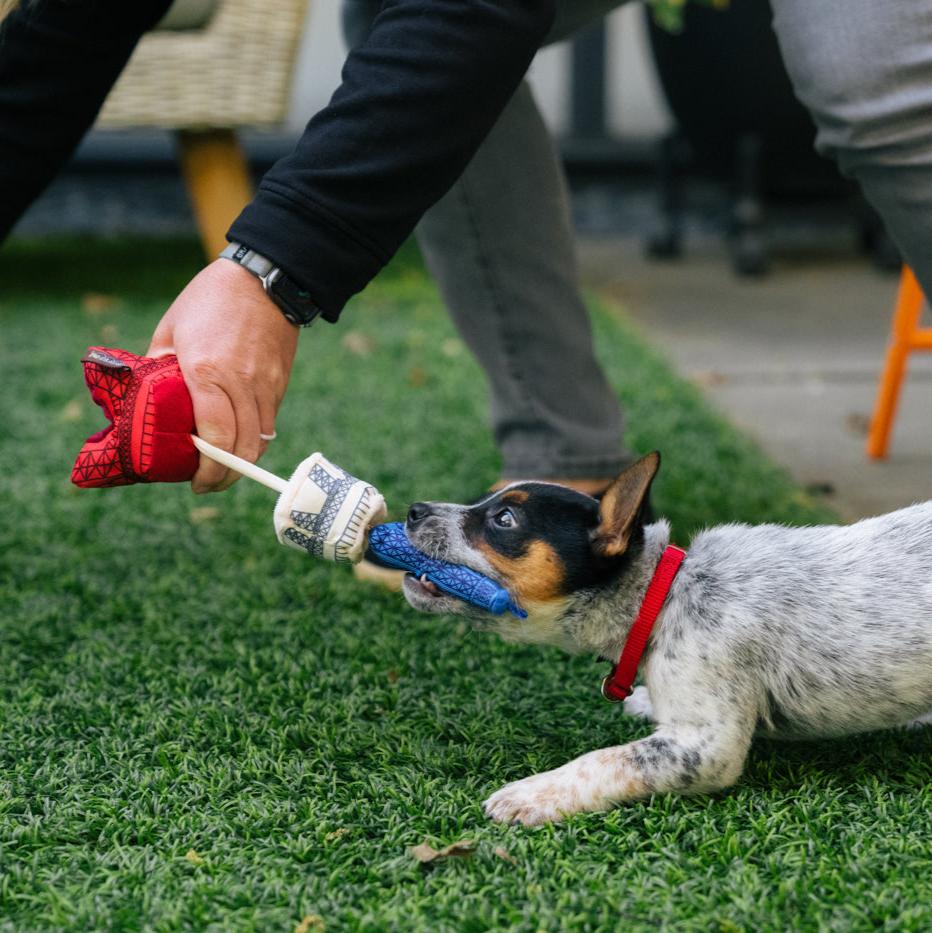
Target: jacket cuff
pixel 321 256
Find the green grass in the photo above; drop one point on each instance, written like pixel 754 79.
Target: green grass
pixel 170 684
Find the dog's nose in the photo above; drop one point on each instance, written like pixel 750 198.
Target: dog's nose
pixel 417 513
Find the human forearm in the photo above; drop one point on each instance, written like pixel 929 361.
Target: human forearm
pixel 417 99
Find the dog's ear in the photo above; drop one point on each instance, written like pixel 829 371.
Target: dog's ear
pixel 621 505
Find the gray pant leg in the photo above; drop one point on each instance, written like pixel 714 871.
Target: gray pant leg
pixel 500 246
pixel 864 70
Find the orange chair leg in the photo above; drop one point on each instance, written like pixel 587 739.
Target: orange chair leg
pixel 902 340
pixel 219 185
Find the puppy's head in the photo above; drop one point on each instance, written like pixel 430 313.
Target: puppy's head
pixel 543 542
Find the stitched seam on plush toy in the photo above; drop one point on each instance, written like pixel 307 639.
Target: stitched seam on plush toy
pixel 125 426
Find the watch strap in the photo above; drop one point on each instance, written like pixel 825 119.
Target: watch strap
pixel 293 301
pixel 256 263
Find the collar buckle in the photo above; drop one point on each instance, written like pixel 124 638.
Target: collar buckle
pixel 612 691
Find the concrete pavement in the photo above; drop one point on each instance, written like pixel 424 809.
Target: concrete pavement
pixel 792 359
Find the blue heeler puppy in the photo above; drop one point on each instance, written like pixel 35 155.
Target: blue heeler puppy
pixel 788 632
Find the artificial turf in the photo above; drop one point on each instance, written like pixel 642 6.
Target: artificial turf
pixel 202 730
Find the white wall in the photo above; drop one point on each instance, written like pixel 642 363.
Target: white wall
pixel 635 106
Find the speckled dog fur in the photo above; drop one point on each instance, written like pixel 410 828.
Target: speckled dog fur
pixel 789 632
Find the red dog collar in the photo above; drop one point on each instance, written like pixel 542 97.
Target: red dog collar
pixel 617 686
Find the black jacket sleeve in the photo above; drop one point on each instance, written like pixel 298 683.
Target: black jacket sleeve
pixel 58 61
pixel 416 101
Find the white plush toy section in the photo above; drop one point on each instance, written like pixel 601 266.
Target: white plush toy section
pixel 322 509
pixel 326 511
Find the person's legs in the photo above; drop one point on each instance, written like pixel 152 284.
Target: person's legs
pixel 58 61
pixel 864 70
pixel 500 245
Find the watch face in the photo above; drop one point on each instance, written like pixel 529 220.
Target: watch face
pixel 294 301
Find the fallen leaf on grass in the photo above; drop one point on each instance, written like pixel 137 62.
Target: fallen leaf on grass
pixel 426 853
pixel 193 857
pixel 728 926
pixel 417 376
pixel 336 834
pixel 310 922
pixel 73 410
pixel 94 303
pixel 392 677
pixel 503 854
pixel 204 513
pixel 358 343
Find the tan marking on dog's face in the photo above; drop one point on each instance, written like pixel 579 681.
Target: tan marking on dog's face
pixel 543 626
pixel 515 497
pixel 536 576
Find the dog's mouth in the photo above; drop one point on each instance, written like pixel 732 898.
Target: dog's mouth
pixel 425 596
pixel 422 586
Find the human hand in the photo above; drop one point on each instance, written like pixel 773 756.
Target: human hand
pixel 235 349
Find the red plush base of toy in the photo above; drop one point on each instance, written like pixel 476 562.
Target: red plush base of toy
pixel 151 422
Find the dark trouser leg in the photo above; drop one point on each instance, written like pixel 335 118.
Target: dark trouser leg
pixel 58 61
pixel 501 247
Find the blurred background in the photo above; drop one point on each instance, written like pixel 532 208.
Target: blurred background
pixel 701 205
pixel 618 100
pixel 650 124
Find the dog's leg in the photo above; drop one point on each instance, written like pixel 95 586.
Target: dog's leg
pixel 920 721
pixel 638 705
pixel 683 760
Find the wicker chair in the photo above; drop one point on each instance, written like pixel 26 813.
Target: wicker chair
pixel 211 66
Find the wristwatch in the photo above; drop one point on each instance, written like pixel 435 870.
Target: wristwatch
pixel 292 300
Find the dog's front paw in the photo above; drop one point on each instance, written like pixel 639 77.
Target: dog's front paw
pixel 638 705
pixel 541 798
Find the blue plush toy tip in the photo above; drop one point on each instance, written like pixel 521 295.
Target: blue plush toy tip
pixel 389 545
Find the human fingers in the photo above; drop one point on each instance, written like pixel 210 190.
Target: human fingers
pixel 248 444
pixel 215 418
pixel 162 343
pixel 268 411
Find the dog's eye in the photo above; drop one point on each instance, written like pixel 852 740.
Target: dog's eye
pixel 505 519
